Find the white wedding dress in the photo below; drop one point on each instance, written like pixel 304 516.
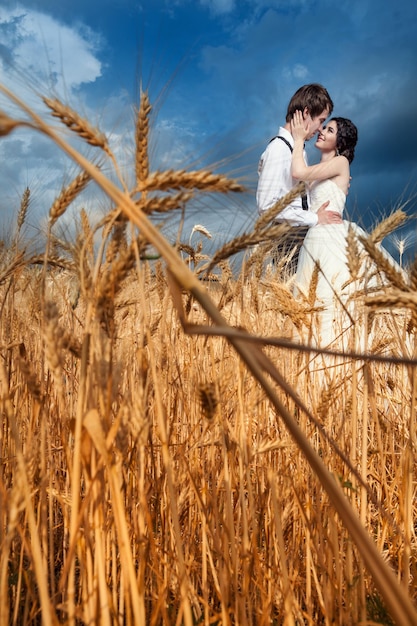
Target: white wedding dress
pixel 326 245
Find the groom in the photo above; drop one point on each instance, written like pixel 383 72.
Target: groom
pixel 274 170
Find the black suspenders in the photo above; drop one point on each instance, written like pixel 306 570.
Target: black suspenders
pixel 304 202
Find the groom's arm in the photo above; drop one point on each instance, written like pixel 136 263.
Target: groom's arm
pixel 328 217
pixel 275 181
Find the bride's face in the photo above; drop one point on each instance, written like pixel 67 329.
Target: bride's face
pixel 326 140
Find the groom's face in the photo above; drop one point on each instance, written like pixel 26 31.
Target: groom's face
pixel 315 124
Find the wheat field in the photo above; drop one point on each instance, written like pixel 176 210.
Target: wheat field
pixel 173 449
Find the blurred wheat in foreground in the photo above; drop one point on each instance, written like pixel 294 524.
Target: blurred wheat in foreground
pixel 167 455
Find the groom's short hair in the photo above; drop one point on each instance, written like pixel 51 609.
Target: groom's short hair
pixel 314 96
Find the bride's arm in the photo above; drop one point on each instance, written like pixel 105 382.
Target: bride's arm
pixel 338 166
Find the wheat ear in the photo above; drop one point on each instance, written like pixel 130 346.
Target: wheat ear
pixel 242 242
pixel 142 139
pixel 24 205
pixel 288 305
pixel 388 225
pixel 393 298
pixel 77 124
pixel 353 255
pixel 117 241
pixel 312 288
pixel 181 179
pixel 270 214
pixel 67 195
pixel 7 124
pixel 110 283
pixel 412 324
pixel 163 204
pixel 87 232
pixel 394 276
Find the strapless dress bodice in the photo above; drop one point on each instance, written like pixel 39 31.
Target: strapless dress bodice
pixel 327 190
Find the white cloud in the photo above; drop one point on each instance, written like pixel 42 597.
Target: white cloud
pixel 46 51
pixel 219 7
pixel 41 56
pixel 298 71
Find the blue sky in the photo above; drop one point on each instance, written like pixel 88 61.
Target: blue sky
pixel 220 74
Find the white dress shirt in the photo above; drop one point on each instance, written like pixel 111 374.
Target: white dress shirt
pixel 275 181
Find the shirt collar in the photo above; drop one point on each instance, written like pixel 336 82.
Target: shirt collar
pixel 286 134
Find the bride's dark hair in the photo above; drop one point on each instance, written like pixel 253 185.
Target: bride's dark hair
pixel 346 138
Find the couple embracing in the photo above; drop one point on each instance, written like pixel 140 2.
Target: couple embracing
pixel 318 216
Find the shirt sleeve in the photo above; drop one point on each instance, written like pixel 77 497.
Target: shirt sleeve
pixel 275 181
pixel 297 216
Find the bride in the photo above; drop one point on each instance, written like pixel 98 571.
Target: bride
pixel 323 261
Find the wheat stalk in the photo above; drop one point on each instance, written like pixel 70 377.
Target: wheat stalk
pixel 264 371
pixel 53 343
pixel 29 375
pixel 38 563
